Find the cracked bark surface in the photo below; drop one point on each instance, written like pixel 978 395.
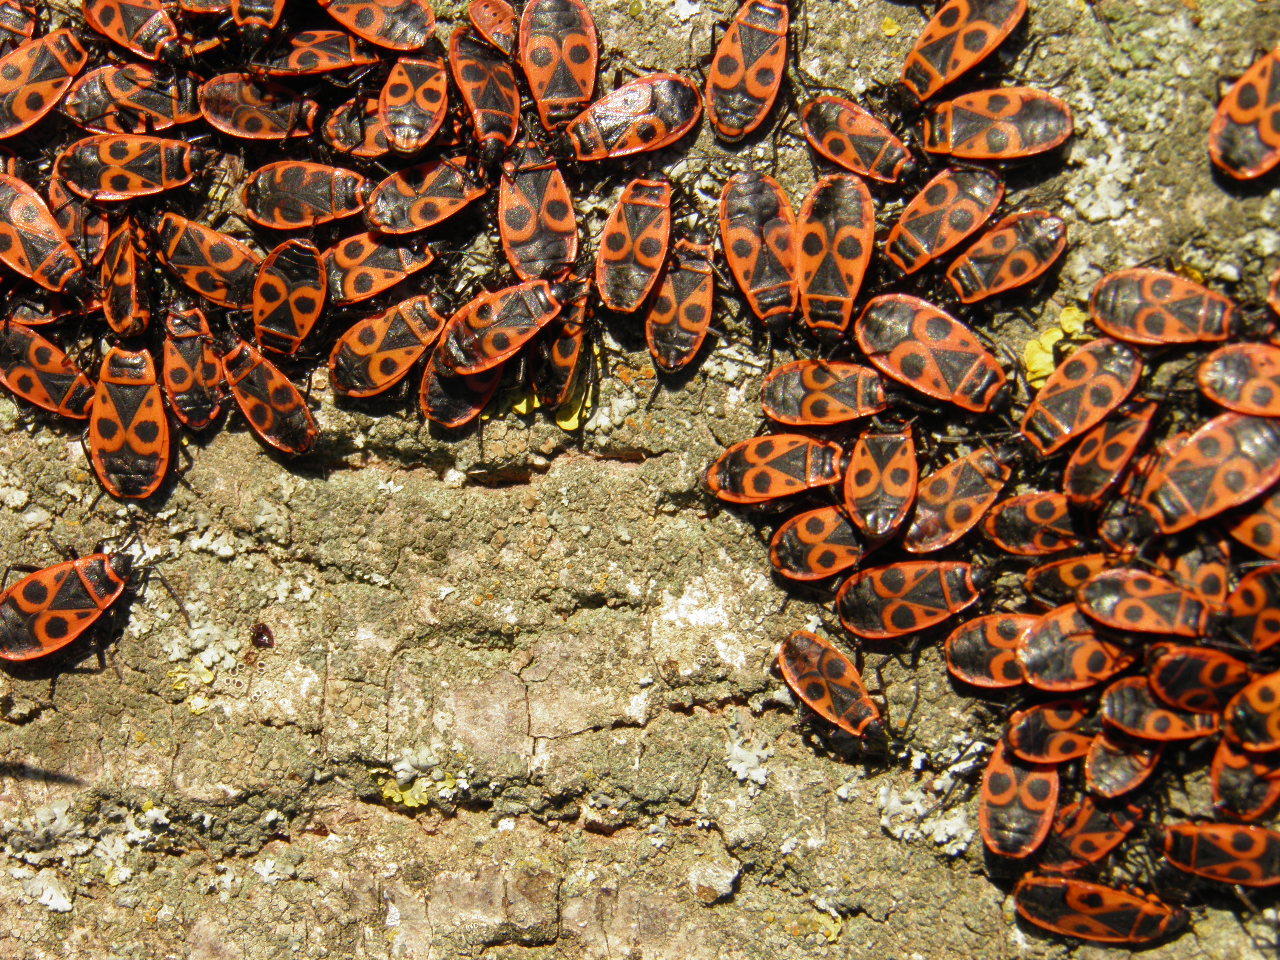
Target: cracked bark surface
pixel 520 700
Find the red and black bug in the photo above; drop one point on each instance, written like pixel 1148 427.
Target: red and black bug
pixel 947 209
pixel 1055 583
pixel 1019 249
pixel 1247 856
pixel 79 219
pixel 393 24
pixel 123 166
pixel 205 6
pixel 1004 124
pixel 1198 679
pixel 45 611
pixel 1244 138
pixel 1050 732
pixel 129 426
pixel 1091 911
pixel 953 499
pixel 191 374
pixel 288 296
pixel 829 684
pixel 132 98
pixel 413 102
pixel 365 265
pixel 291 194
pixel 376 354
pixel 1252 718
pixel 535 215
pixel 819 393
pixel 776 465
pixel 39 372
pixel 18 20
pixel 255 19
pixel 1146 306
pixel 1127 599
pixel 880 481
pixel 1017 803
pixel 1062 653
pixel 1258 525
pixel 355 129
pixel 1085 833
pixel 34 76
pixel 1229 460
pixel 1244 785
pixel 454 401
pixel 634 245
pixel 252 108
pixel 648 113
pixel 757 228
pixel 679 317
pixel 835 236
pixel 559 50
pixel 984 651
pixel 312 52
pixel 903 598
pixel 1244 377
pixel 143 27
pixel 559 355
pixel 487 82
pixel 1116 764
pixel 1099 462
pixel 961 34
pixel 815 544
pixel 1253 608
pixel 31 241
pixel 1130 705
pixel 218 267
pixel 1201 562
pixel 495 21
pixel 1090 383
pixel 747 69
pixel 852 138
pixel 1031 525
pixel 126 280
pixel 915 343
pixel 274 409
pixel 418 197
pixel 493 326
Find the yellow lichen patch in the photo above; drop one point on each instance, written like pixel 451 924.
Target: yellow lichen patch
pixel 525 403
pixel 1037 356
pixel 890 27
pixel 1188 271
pixel 184 678
pixel 416 795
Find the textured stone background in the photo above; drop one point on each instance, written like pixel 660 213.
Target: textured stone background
pixel 520 702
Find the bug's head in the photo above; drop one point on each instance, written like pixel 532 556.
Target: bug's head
pixel 78 287
pixel 121 564
pixel 569 289
pixel 490 153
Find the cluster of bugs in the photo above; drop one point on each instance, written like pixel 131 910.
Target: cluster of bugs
pixel 352 211
pixel 1129 640
pixel 206 197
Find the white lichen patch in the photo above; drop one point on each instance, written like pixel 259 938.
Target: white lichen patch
pixel 927 811
pixel 423 777
pixel 45 888
pixel 747 762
